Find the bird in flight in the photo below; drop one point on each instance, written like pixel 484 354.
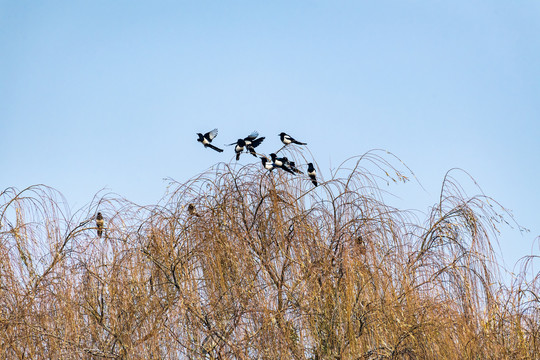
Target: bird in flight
pixel 250 142
pixel 281 163
pixel 207 138
pixel 287 139
pixel 312 173
pixel 99 224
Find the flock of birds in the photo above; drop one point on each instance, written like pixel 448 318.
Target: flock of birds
pixel 250 142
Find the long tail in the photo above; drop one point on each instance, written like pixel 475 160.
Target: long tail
pixel 214 148
pixel 287 169
pixel 299 143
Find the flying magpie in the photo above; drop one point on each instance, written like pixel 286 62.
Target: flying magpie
pixel 207 138
pixel 250 142
pixel 293 167
pixel 281 163
pixel 99 223
pixel 312 173
pixel 287 139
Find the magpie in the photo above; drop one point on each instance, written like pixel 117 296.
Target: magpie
pixel 99 223
pixel 293 167
pixel 281 163
pixel 251 142
pixel 287 139
pixel 267 163
pixel 240 145
pixel 312 173
pixel 207 138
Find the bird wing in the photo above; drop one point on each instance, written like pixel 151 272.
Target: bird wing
pixel 252 136
pixel 257 142
pixel 211 134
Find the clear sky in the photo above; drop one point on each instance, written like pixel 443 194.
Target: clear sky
pixel 110 94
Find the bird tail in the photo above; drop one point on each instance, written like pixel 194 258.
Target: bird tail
pixel 238 156
pixel 287 169
pixel 299 143
pixel 214 148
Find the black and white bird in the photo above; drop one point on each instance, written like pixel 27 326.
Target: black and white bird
pixel 287 139
pixel 268 165
pixel 293 167
pixel 207 138
pixel 100 223
pixel 312 173
pixel 240 146
pixel 280 163
pixel 250 143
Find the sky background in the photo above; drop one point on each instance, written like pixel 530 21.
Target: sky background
pixel 101 94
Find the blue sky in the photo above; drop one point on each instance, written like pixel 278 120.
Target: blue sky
pixel 100 94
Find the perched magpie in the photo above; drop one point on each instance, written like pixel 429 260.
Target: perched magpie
pixel 240 145
pixel 99 223
pixel 287 139
pixel 293 167
pixel 250 142
pixel 312 174
pixel 267 163
pixel 207 138
pixel 290 164
pixel 281 163
pixel 277 161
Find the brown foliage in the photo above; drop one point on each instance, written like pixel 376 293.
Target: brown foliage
pixel 262 265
